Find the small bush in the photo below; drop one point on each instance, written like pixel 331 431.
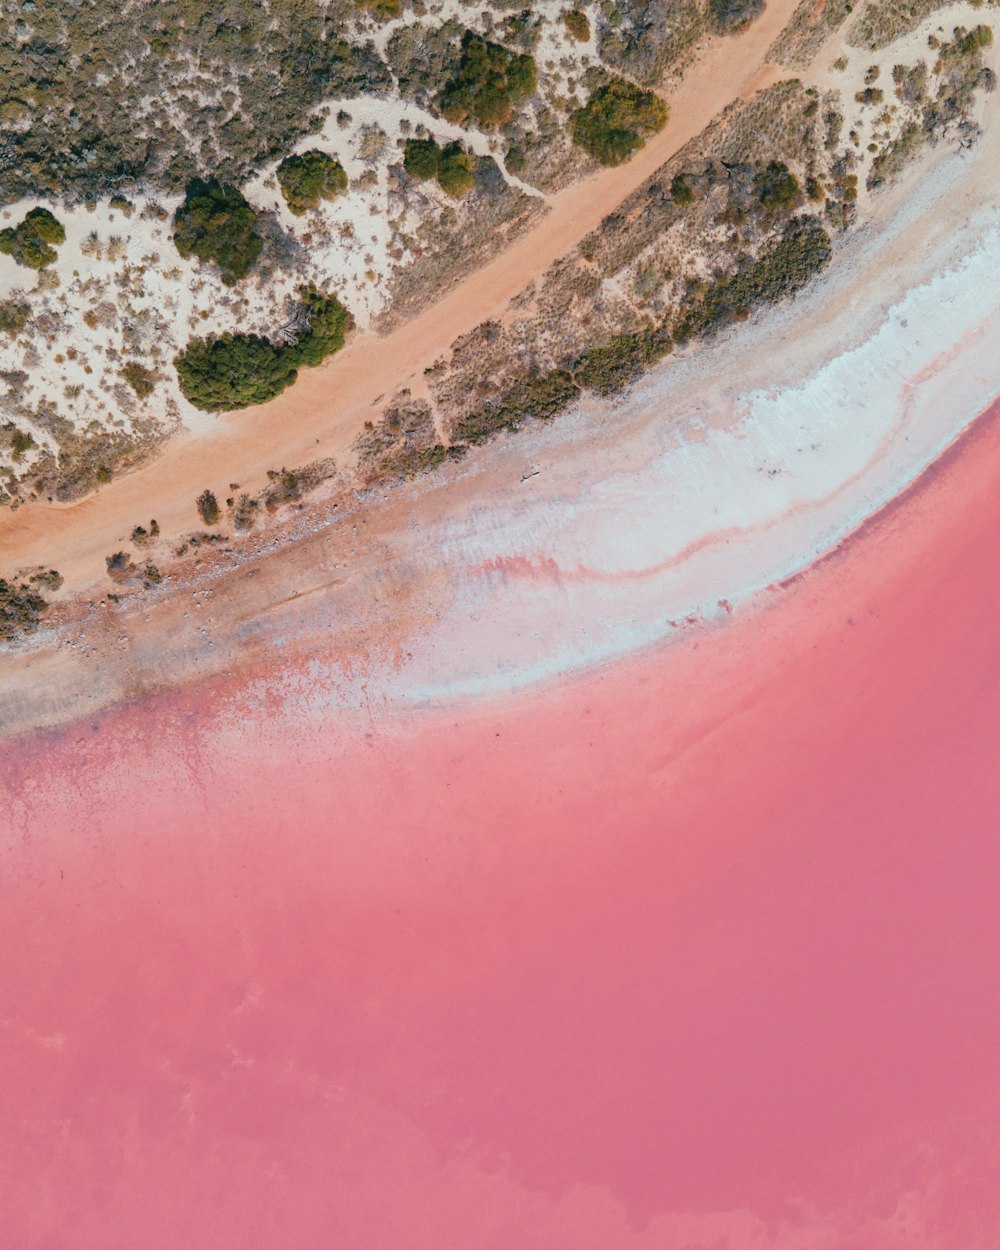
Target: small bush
pixel 616 121
pixel 309 177
pixel 777 188
pixel 142 380
pixel 612 367
pixel 14 316
pixel 782 269
pixel 681 191
pixel 421 158
pixel 384 10
pixel 32 243
pixel 217 225
pixel 21 608
pixel 230 371
pixel 733 15
pixel 577 24
pixel 870 95
pixel 455 171
pixel 208 508
pixel 489 85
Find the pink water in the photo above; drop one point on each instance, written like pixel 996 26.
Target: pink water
pixel 697 951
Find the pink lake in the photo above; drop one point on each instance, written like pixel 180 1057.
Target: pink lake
pixel 699 950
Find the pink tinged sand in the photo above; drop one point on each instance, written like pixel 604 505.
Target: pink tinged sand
pixel 696 950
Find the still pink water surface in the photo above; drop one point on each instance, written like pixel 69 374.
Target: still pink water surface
pixel 697 950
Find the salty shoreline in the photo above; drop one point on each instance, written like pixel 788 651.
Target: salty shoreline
pixel 724 472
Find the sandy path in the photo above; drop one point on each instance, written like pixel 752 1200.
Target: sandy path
pixel 323 413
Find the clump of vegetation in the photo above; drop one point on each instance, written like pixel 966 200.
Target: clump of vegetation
pixel 489 84
pixel 870 95
pixel 142 537
pixel 208 508
pixel 21 606
pixel 617 120
pixel 732 15
pixel 782 269
pixel 122 205
pixel 14 316
pixel 120 566
pixel 308 177
pixel 777 188
pixel 33 242
pixel 217 225
pixel 245 512
pixel 20 442
pixel 230 371
pixel 384 10
pixel 681 190
pixel 142 380
pixel 577 24
pixel 421 158
pixel 541 396
pixel 613 366
pixel 233 371
pixel 450 165
pixel 66 68
pixel 327 322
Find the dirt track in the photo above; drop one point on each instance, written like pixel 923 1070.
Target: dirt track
pixel 323 413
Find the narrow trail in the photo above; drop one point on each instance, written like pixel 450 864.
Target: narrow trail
pixel 323 413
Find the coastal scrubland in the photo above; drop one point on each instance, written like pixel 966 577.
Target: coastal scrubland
pixel 202 286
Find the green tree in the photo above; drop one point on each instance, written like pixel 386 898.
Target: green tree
pixel 217 225
pixel 33 242
pixel 421 158
pixel 616 121
pixel 489 84
pixel 777 188
pixel 230 371
pixel 455 171
pixel 309 177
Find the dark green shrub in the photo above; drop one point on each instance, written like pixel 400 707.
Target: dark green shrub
pixel 777 188
pixel 616 121
pixel 309 177
pixel 21 608
pixel 681 191
pixel 329 322
pixel 455 171
pixel 208 508
pixel 489 84
pixel 732 15
pixel 14 316
pixel 142 380
pixel 233 371
pixel 612 367
pixel 32 243
pixel 577 24
pixel 421 158
pixel 782 269
pixel 542 396
pixel 217 225
pixel 20 442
